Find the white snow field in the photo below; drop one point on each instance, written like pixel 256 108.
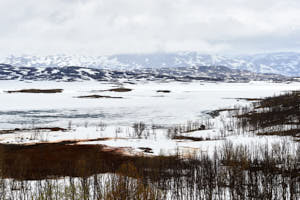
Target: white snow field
pixel 113 118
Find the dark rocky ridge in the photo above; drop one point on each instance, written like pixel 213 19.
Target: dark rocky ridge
pixel 75 73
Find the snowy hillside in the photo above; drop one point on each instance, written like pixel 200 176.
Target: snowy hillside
pixel 280 63
pixel 74 73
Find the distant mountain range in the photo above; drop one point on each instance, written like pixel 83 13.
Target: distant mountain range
pixel 286 63
pixel 75 73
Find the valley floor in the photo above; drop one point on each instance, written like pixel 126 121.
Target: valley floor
pixel 144 120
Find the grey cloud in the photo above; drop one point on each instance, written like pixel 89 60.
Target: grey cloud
pixel 119 26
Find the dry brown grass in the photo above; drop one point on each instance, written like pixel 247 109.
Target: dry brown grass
pixel 249 99
pixel 292 132
pixel 195 139
pixel 40 161
pixel 146 149
pixel 36 91
pixel 66 158
pixel 120 89
pixel 8 131
pixel 95 96
pixel 163 91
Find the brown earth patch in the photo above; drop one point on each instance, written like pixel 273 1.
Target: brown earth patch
pixel 99 96
pixel 291 132
pixel 120 89
pixel 249 99
pixel 146 149
pixel 66 158
pixel 44 160
pixel 32 129
pixel 163 91
pixel 195 139
pixel 36 91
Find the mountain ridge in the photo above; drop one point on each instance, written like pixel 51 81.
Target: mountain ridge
pixel 284 63
pixel 76 73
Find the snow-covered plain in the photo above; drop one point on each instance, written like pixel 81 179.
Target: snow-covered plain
pixel 114 118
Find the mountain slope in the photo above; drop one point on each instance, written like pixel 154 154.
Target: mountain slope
pixel 287 64
pixel 73 73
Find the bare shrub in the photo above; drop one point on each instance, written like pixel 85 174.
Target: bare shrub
pixel 139 128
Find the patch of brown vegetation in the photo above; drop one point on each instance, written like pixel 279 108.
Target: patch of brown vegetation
pixel 249 99
pixel 99 96
pixel 50 128
pixel 66 158
pixel 195 139
pixel 280 112
pixel 181 137
pixel 216 113
pixel 285 101
pixel 80 141
pixel 291 132
pixel 32 129
pixel 36 91
pixel 39 161
pixel 163 91
pixel 146 149
pixel 120 89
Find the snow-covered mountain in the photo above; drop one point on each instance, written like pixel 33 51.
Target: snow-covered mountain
pixel 280 63
pixel 75 73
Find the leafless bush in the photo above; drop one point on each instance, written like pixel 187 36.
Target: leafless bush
pixel 139 128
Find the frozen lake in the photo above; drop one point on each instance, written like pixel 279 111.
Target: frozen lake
pixel 186 101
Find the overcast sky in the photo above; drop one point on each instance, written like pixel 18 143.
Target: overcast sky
pixel 102 27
